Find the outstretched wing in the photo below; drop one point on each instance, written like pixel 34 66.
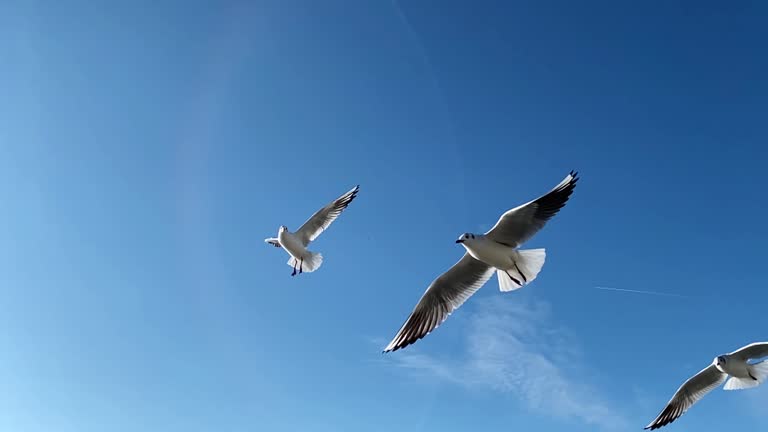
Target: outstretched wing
pixel 519 224
pixel 444 295
pixel 273 241
pixel 755 350
pixel 688 394
pixel 323 218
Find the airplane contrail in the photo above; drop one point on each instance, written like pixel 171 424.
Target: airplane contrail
pixel 640 292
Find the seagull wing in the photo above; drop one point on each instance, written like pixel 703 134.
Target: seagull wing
pixel 752 351
pixel 519 224
pixel 324 217
pixel 688 394
pixel 444 295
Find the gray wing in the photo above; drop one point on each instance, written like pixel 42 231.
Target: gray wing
pixel 688 394
pixel 273 241
pixel 323 218
pixel 444 295
pixel 518 225
pixel 755 350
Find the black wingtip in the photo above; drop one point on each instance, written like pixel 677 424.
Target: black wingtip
pixel 570 184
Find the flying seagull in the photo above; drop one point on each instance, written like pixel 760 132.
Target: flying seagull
pixel 734 366
pixel 496 251
pixel 303 260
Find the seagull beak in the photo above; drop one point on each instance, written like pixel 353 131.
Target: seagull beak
pixel 459 241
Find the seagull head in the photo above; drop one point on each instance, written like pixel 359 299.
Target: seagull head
pixel 466 237
pixel 282 228
pixel 719 361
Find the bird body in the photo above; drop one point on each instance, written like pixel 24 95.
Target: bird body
pixel 290 243
pixel 514 268
pixel 306 260
pixel 734 367
pixel 488 251
pixel 741 373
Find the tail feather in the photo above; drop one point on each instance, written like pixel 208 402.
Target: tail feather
pixel 734 383
pixel 528 264
pixel 307 263
pixel 507 282
pixel 760 371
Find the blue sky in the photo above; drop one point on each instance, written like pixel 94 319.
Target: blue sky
pixel 149 148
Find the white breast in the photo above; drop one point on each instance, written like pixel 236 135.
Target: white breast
pixel 291 244
pixel 736 368
pixel 492 253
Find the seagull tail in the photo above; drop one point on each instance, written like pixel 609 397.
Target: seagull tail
pixel 309 262
pixel 760 371
pixel 734 383
pixel 528 264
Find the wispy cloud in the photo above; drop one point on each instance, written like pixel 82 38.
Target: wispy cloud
pixel 512 347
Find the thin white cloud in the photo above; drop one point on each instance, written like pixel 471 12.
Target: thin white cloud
pixel 642 292
pixel 513 348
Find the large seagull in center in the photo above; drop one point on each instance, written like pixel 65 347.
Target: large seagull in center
pixel 495 251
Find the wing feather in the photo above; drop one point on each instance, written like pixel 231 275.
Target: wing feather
pixel 519 224
pixel 444 295
pixel 688 394
pixel 323 218
pixel 755 350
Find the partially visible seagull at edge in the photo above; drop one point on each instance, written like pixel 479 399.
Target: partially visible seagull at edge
pixel 303 260
pixel 496 251
pixel 734 367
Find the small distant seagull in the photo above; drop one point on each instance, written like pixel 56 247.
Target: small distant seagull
pixel 496 251
pixel 303 260
pixel 733 366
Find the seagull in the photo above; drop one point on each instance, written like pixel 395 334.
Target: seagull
pixel 296 243
pixel 734 367
pixel 496 251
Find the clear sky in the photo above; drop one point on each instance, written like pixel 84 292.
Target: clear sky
pixel 148 148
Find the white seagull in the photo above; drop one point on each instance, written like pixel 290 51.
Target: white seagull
pixel 734 366
pixel 495 250
pixel 296 243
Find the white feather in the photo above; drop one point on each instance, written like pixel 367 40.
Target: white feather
pixel 760 371
pixel 734 383
pixel 308 262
